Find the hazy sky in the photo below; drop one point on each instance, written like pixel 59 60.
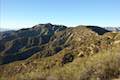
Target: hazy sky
pixel 26 13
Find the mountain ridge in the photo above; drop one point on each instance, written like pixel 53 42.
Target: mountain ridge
pixel 59 36
pixel 46 47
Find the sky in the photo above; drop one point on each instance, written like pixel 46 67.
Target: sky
pixel 16 14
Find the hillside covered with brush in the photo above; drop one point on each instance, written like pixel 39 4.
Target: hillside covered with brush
pixel 57 52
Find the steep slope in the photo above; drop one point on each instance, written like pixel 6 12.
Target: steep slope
pixel 17 43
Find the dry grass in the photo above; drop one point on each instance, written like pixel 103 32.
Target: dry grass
pixel 102 66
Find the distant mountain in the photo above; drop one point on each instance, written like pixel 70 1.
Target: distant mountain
pixel 115 29
pixel 58 52
pixel 4 29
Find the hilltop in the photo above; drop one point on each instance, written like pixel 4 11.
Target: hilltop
pixel 55 52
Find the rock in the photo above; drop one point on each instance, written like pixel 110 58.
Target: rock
pixel 81 54
pixel 67 58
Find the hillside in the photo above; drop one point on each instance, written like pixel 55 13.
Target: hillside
pixel 57 52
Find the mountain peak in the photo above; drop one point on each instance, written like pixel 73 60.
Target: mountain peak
pixel 98 30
